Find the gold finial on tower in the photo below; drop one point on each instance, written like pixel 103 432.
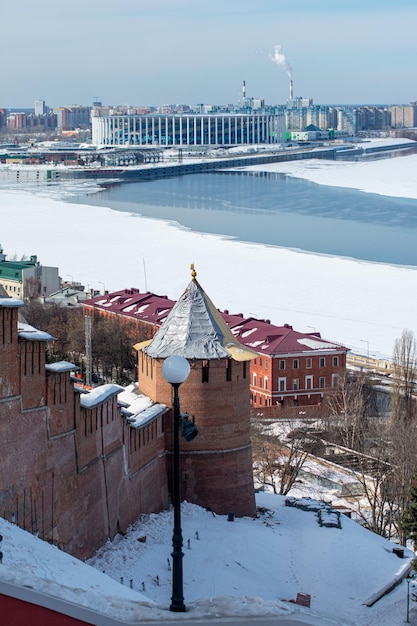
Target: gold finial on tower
pixel 193 272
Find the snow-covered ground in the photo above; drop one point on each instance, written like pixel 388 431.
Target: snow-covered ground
pixel 248 567
pixel 388 177
pixel 357 303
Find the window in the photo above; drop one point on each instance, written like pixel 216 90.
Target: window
pixel 282 365
pixel 260 381
pixel 322 361
pixel 266 382
pixel 254 361
pixel 282 384
pixel 295 364
pixel 260 362
pixel 335 380
pixel 255 381
pixel 205 372
pixel 295 384
pixel 309 382
pixel 309 363
pixel 335 361
pixel 322 382
pixel 266 363
pixel 229 370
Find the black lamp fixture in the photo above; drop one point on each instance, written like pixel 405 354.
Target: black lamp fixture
pixel 176 370
pixel 187 427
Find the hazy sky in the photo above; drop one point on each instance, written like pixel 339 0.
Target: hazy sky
pixel 141 52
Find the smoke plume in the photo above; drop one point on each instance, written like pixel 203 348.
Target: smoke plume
pixel 279 58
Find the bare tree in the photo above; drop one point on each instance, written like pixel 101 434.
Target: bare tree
pixel 33 288
pixel 349 410
pixel 404 377
pixel 402 447
pixel 385 474
pixel 278 459
pixel 375 505
pixel 112 348
pixel 112 341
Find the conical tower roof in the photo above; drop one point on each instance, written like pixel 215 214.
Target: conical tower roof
pixel 195 329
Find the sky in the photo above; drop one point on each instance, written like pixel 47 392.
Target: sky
pixel 248 567
pixel 187 51
pixel 358 304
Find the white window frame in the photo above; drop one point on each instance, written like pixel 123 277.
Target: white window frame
pixel 309 381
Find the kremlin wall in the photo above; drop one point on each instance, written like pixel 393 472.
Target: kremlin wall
pixel 78 467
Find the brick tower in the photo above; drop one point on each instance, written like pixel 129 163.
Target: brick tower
pixel 217 465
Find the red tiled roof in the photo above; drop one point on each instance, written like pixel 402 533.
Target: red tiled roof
pixel 260 335
pixel 145 306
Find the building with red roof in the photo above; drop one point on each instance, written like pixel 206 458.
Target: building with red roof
pixel 293 368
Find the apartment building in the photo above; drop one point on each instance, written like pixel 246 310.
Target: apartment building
pixel 28 278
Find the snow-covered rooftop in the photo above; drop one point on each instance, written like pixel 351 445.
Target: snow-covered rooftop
pixel 98 395
pixel 61 366
pixel 11 303
pixel 195 329
pixel 28 332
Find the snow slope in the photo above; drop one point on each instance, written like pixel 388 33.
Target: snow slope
pixel 248 567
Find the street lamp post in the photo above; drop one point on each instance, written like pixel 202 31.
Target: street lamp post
pixel 409 578
pixel 175 370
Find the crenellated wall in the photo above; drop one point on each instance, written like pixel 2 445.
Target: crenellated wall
pixel 75 475
pixel 32 373
pixel 9 365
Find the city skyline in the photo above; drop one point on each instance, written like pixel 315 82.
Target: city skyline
pixel 347 52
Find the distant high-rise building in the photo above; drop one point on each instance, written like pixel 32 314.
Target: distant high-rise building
pixel 16 121
pixel 404 116
pixel 40 107
pixel 69 118
pixel 347 120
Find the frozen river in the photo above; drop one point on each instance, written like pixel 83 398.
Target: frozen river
pixel 274 209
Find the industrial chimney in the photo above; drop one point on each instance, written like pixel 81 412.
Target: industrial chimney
pixel 291 89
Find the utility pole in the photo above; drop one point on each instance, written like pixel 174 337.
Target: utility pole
pixel 87 350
